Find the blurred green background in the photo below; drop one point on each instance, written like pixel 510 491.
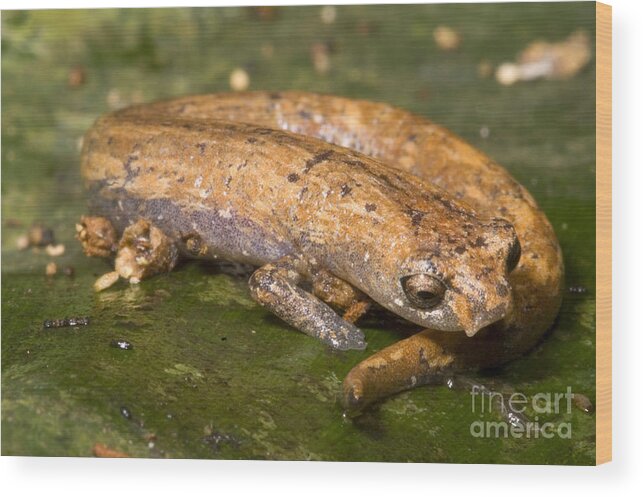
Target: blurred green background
pixel 211 374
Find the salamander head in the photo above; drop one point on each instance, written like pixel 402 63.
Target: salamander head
pixel 461 284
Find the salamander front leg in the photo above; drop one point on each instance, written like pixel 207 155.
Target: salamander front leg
pixel 276 286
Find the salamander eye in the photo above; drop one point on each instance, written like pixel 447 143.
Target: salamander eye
pixel 422 290
pixel 513 256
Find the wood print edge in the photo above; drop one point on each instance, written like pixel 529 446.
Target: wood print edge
pixel 603 233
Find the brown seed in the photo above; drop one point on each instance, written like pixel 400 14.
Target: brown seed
pixel 446 38
pixel 51 269
pixel 22 242
pixel 485 69
pixel 328 14
pixel 239 80
pixel 320 54
pixel 105 281
pixel 101 450
pixel 77 76
pixel 583 403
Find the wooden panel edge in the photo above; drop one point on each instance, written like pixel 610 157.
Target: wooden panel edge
pixel 603 233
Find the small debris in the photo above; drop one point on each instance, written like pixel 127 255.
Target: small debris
pixel 40 236
pixel 577 289
pixel 485 69
pixel 126 413
pixel 267 50
pixel 215 439
pixel 77 76
pixel 328 14
pixel 12 223
pixel 105 281
pixel 55 250
pixel 484 132
pixel 66 322
pixel 583 403
pixel 121 344
pixel 265 12
pixel 51 269
pixel 446 38
pixel 101 450
pixel 69 271
pixel 23 242
pixel 115 100
pixel 320 54
pixel 239 80
pixel 561 60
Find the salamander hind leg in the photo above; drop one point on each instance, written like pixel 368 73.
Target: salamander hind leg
pixel 276 287
pixel 417 360
pixel 341 295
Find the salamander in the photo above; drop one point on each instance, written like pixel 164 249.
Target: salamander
pixel 341 204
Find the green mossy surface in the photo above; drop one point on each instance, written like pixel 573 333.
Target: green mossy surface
pixel 211 374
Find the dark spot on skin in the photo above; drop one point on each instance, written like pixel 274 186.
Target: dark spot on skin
pixel 345 190
pixel 265 131
pixel 274 96
pixel 131 173
pixel 293 177
pixel 180 180
pixel 227 181
pixel 412 138
pixel 415 215
pixel 460 249
pixel 201 147
pixel 305 115
pixel 480 242
pixel 370 207
pixel 534 255
pixel 110 140
pixel 316 159
pixel 354 163
pixel 251 140
pixel 502 290
pixel 302 192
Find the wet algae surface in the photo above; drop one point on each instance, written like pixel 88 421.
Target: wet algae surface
pixel 209 373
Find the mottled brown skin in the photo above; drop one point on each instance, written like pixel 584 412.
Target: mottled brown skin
pixel 359 199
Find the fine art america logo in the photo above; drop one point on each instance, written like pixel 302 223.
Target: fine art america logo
pixel 513 407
